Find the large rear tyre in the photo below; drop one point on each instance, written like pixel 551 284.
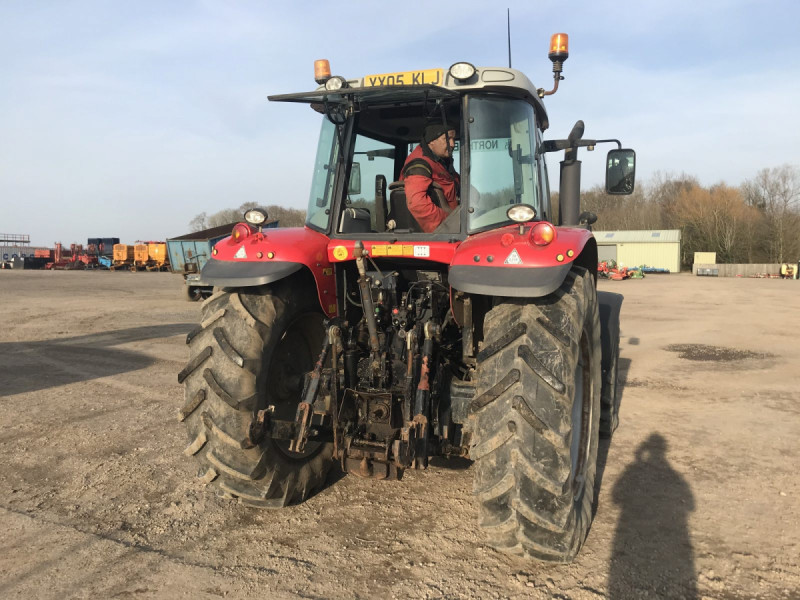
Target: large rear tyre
pixel 252 350
pixel 535 418
pixel 609 309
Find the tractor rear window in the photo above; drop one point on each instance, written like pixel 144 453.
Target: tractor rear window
pixel 503 169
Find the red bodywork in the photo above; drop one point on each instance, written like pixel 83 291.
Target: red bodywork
pixel 295 245
pixel 319 253
pixel 495 247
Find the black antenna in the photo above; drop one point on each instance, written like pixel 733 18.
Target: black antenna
pixel 509 36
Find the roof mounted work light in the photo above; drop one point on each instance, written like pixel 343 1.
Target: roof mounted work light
pixel 461 71
pixel 335 83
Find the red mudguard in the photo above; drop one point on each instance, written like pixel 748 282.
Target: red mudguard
pixel 272 255
pixel 506 262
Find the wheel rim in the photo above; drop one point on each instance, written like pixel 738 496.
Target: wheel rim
pixel 293 357
pixel 581 418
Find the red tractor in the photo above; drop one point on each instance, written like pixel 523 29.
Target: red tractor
pixel 361 341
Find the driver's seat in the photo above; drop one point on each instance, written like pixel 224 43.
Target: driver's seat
pixel 398 209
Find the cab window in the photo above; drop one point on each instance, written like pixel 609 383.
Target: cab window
pixel 371 172
pixel 319 203
pixel 503 165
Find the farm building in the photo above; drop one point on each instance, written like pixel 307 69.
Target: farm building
pixel 654 248
pixel 15 245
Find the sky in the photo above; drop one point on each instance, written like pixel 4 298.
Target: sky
pixel 127 119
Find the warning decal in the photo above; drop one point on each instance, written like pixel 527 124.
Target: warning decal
pixel 422 251
pixel 513 258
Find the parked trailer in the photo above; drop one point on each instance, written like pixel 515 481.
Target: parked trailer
pixel 141 256
pixel 158 258
pixel 189 253
pixel 123 256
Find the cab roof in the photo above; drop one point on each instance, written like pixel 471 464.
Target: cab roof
pixel 500 80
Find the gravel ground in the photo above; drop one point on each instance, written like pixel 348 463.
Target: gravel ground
pixel 698 496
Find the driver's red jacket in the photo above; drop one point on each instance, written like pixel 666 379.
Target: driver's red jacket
pixel 420 171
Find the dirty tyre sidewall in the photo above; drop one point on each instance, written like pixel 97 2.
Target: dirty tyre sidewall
pixel 534 486
pixel 226 382
pixel 610 395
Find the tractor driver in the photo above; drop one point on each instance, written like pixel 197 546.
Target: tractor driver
pixel 432 185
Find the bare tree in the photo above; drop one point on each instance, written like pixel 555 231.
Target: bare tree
pixel 776 194
pixel 287 217
pixel 714 220
pixel 199 222
pixel 634 212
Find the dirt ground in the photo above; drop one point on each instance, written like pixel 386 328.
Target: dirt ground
pixel 698 496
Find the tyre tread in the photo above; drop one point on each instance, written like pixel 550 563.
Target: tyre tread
pixel 522 429
pixel 238 327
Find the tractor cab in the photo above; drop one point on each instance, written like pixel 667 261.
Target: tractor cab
pixel 372 124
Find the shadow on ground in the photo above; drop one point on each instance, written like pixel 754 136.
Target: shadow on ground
pixel 652 553
pixel 34 366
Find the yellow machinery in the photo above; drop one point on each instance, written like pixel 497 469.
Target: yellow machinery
pixel 141 257
pixel 152 256
pixel 123 256
pixel 158 256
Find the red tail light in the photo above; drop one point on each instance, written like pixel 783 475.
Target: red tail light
pixel 240 232
pixel 543 234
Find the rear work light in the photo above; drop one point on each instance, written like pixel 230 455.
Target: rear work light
pixel 542 234
pixel 256 216
pixel 240 232
pixel 521 213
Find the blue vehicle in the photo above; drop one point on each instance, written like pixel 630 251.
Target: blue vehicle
pixel 189 253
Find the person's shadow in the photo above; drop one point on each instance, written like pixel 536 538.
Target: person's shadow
pixel 652 553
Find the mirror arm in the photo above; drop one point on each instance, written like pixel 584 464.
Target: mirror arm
pixel 556 145
pixel 617 142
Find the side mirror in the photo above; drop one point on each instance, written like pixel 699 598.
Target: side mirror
pixel 620 172
pixel 354 185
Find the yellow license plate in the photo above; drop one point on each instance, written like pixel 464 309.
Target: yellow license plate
pixel 428 77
